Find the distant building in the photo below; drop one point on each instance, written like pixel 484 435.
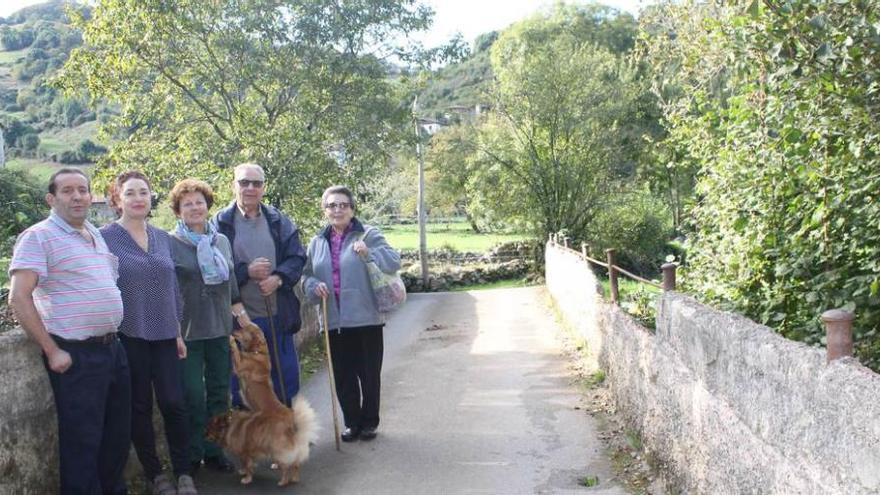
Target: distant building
pixel 101 213
pixel 466 112
pixel 430 126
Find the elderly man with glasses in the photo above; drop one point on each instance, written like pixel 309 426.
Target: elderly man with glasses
pixel 269 259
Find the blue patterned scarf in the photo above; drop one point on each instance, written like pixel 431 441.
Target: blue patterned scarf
pixel 212 263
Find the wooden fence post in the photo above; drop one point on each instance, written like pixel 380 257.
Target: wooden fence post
pixel 669 276
pixel 612 275
pixel 565 241
pixel 838 333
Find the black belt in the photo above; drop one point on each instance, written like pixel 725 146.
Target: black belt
pixel 107 338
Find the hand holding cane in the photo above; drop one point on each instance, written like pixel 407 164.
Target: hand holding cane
pixel 335 406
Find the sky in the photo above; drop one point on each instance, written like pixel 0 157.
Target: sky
pixel 469 17
pixel 474 17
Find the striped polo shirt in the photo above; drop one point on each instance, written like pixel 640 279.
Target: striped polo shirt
pixel 76 293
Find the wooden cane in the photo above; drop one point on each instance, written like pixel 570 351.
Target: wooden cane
pixel 333 402
pixel 275 342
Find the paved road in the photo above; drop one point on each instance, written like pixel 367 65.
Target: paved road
pixel 476 399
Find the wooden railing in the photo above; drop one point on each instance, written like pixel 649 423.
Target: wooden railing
pixel 667 284
pixel 838 322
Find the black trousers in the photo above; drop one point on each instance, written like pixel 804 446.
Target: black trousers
pixel 357 366
pixel 155 366
pixel 93 399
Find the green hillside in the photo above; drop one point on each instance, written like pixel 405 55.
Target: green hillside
pixel 461 84
pixel 42 128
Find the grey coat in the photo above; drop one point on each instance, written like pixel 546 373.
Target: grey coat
pixel 357 305
pixel 206 308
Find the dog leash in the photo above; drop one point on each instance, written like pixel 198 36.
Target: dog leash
pixel 278 369
pixel 330 370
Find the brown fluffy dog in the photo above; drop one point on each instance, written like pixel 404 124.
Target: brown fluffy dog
pixel 253 367
pixel 282 435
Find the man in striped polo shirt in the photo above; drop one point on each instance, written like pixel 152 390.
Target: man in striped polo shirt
pixel 64 294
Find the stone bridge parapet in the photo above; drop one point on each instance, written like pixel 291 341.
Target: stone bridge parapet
pixel 725 404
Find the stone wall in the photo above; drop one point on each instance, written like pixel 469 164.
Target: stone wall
pixel 725 404
pixel 28 427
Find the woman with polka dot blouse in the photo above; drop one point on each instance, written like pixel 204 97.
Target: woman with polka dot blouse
pixel 150 331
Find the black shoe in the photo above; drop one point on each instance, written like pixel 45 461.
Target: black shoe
pixel 368 433
pixel 194 467
pixel 350 434
pixel 219 463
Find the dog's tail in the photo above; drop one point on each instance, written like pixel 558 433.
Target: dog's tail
pixel 304 422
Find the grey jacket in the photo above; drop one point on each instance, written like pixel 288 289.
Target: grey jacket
pixel 206 308
pixel 356 306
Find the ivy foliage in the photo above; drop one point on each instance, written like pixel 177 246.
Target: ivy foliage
pixel 776 104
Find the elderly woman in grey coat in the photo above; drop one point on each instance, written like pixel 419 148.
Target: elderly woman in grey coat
pixel 336 270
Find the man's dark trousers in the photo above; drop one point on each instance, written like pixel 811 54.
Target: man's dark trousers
pixel 93 399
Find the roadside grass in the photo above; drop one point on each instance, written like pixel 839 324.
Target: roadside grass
pixel 456 236
pixel 311 357
pixel 637 299
pixel 498 284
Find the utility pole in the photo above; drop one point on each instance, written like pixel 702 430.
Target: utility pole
pixel 423 243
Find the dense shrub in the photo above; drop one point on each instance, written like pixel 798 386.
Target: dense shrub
pixel 71 157
pixel 22 199
pixel 30 141
pixel 778 106
pixel 638 227
pixel 16 39
pixel 15 130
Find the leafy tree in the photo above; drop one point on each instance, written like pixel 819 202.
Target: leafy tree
pixel 297 86
pixel 484 41
pixel 565 132
pixel 450 170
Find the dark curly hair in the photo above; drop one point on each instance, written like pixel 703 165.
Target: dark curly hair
pixel 115 188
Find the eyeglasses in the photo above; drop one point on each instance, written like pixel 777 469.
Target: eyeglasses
pixel 339 206
pixel 244 183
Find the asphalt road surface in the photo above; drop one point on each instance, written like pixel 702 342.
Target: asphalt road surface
pixel 476 399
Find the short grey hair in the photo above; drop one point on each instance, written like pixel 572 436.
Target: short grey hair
pixel 249 165
pixel 338 190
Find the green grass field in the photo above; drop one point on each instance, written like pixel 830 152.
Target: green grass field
pixel 48 144
pixel 10 57
pixel 457 236
pixel 38 168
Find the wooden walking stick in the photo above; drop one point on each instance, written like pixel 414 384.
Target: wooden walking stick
pixel 278 369
pixel 334 405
